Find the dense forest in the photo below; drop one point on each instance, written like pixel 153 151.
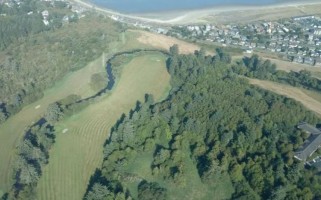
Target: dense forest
pixel 215 137
pixel 55 49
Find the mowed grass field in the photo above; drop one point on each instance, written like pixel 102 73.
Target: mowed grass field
pixel 310 99
pixel 13 129
pixel 77 82
pixel 77 153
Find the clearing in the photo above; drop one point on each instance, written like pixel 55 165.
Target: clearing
pixel 165 42
pixel 140 169
pixel 78 153
pixel 310 99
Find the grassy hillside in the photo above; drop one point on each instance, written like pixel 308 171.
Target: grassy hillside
pixel 77 153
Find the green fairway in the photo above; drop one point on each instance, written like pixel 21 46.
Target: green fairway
pixel 13 129
pixel 77 153
pixel 78 82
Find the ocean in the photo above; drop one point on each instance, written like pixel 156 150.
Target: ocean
pixel 148 6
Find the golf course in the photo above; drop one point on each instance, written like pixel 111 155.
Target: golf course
pixel 78 152
pixel 85 132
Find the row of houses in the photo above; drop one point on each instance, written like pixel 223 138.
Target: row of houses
pixel 299 37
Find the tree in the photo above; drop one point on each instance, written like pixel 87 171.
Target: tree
pixel 128 132
pixel 212 173
pixel 99 192
pixel 161 156
pixel 278 193
pixel 174 50
pixel 217 123
pixel 224 57
pixel 2 117
pixel 28 175
pixel 53 113
pixel 151 191
pixel 226 137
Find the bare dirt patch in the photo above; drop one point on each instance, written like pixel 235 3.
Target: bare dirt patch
pixel 165 42
pixel 292 92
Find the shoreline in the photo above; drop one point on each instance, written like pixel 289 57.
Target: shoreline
pixel 184 16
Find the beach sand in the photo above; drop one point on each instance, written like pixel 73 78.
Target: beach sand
pixel 220 14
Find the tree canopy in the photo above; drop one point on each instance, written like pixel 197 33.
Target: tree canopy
pixel 216 123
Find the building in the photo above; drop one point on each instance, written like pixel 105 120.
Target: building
pixel 309 61
pixel 311 144
pixel 315 162
pixel 45 14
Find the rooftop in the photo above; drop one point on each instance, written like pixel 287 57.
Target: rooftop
pixel 311 144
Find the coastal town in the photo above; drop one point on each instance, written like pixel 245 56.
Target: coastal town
pixel 296 39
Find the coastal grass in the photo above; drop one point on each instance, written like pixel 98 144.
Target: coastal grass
pixel 310 99
pixel 13 129
pixel 77 153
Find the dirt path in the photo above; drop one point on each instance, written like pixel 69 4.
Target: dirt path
pixel 291 92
